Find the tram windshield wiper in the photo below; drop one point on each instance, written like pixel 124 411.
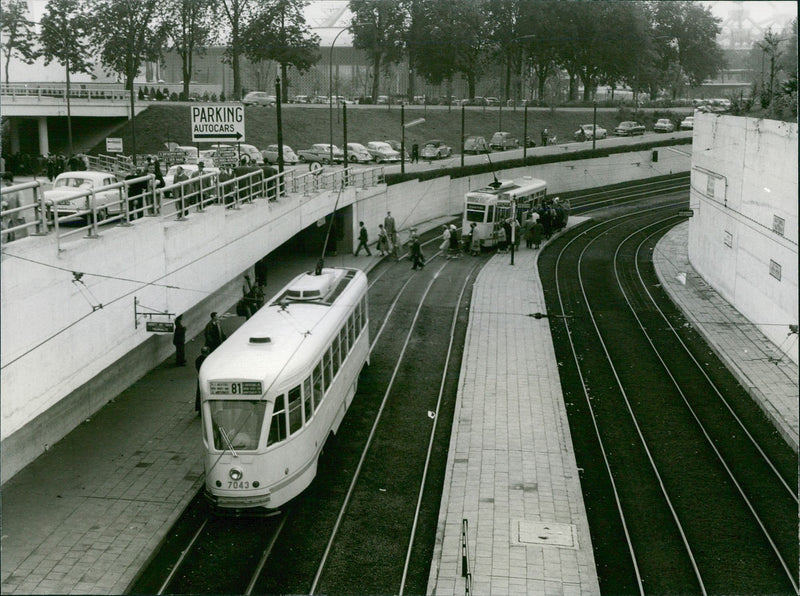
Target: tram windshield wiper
pixel 228 441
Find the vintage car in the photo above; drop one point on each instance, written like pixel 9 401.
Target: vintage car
pixel 321 153
pixel 71 194
pixel 475 144
pixel 435 149
pixel 382 151
pixel 501 141
pixel 357 153
pixel 259 98
pixel 629 128
pixel 586 132
pixel 687 123
pixel 270 154
pixel 251 152
pixel 663 125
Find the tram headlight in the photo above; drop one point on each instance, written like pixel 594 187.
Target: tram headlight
pixel 235 474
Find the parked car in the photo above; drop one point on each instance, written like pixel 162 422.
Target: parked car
pixel 321 152
pixel 252 153
pixel 189 168
pixel 320 99
pixel 270 154
pixel 475 144
pixel 357 153
pixel 492 101
pixel 435 149
pixel 382 151
pixel 301 99
pixel 397 146
pixel 663 125
pixel 259 98
pixel 67 195
pixel 501 141
pixel 687 123
pixel 383 99
pixel 587 131
pixel 629 128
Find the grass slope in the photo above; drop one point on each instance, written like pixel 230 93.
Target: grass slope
pixel 304 125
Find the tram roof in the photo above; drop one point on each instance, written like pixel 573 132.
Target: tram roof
pixel 298 331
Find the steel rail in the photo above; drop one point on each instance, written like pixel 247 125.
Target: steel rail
pixel 700 424
pixel 180 560
pixel 451 341
pixel 265 556
pixel 365 450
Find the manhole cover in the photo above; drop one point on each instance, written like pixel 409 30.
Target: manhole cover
pixel 555 534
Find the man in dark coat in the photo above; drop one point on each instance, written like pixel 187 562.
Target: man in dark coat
pixel 214 335
pixel 179 341
pixel 362 240
pixel 198 362
pixel 417 259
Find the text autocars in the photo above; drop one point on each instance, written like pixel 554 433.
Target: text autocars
pixel 629 128
pixel 585 132
pixel 382 151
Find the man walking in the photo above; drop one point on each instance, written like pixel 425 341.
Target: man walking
pixel 362 239
pixel 417 259
pixel 213 333
pixel 391 233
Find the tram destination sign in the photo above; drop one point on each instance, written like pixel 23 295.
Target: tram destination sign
pixel 217 123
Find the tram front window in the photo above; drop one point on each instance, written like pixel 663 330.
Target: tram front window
pixel 476 213
pixel 237 424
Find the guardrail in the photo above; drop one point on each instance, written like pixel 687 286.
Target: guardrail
pixel 59 91
pixel 127 200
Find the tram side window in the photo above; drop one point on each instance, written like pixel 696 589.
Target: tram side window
pixel 308 401
pixel 326 369
pixel 317 386
pixel 277 429
pixel 363 312
pixel 351 328
pixel 336 355
pixel 295 410
pixel 343 342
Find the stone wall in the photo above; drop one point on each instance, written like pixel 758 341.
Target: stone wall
pixel 743 235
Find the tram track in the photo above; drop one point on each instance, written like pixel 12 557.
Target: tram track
pixel 395 294
pixel 679 466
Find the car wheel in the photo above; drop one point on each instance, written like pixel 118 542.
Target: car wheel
pixel 102 214
pixel 302 158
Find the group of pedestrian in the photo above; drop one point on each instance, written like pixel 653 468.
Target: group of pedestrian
pixel 387 238
pixel 450 241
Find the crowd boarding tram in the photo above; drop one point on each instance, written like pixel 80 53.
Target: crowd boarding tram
pixel 490 206
pixel 275 390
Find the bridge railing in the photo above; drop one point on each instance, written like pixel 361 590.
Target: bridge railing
pixel 60 91
pixel 86 209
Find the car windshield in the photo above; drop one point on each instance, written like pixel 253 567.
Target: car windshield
pixel 236 424
pixel 74 182
pixel 381 146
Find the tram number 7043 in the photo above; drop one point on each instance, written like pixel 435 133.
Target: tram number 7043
pixel 238 484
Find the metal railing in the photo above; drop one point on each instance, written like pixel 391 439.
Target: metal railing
pixel 127 200
pixel 60 91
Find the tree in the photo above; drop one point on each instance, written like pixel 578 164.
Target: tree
pixel 17 33
pixel 64 29
pixel 126 35
pixel 378 28
pixel 280 33
pixel 237 14
pixel 187 25
pixel 504 20
pixel 539 24
pixel 687 42
pixel 771 46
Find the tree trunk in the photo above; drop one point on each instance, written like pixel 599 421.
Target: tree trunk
pixel 187 75
pixel 376 78
pixel 284 83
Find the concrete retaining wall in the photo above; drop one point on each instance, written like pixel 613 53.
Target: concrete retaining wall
pixel 743 236
pixel 70 345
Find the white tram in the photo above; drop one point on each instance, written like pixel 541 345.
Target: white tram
pixel 275 390
pixel 490 206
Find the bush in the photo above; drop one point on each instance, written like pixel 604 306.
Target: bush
pixel 214 97
pixel 159 95
pixel 141 94
pixel 173 96
pixel 222 96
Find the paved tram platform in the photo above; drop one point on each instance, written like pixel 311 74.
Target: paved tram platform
pixel 85 516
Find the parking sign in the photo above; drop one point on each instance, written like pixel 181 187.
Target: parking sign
pixel 217 123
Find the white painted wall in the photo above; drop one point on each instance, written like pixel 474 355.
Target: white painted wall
pixel 744 176
pixel 62 360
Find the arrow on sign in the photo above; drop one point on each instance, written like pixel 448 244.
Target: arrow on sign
pixel 217 135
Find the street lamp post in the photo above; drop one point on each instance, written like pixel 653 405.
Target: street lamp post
pixel 594 121
pixel 330 90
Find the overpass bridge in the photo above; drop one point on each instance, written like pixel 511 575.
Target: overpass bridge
pixel 42 103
